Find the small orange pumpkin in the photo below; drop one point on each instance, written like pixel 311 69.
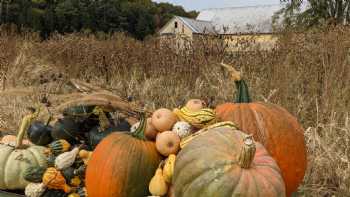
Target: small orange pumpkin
pixel 163 119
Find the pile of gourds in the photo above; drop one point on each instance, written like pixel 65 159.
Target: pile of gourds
pixel 52 160
pixel 237 149
pixel 64 174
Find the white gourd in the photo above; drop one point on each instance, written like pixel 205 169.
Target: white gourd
pixel 34 189
pixel 66 159
pixel 182 129
pixel 134 127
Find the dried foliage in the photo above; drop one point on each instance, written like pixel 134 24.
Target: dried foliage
pixel 307 73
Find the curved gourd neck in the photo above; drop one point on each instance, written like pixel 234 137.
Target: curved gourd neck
pixel 242 92
pixel 103 119
pixel 26 122
pixel 241 85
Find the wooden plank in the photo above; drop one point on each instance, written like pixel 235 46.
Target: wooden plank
pixel 7 194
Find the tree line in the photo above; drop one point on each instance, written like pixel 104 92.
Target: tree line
pixel 138 18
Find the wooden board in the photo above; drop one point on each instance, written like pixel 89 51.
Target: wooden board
pixel 7 194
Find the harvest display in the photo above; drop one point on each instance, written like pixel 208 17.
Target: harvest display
pixel 237 149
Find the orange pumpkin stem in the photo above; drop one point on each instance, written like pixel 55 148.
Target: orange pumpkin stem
pixel 241 85
pixel 246 157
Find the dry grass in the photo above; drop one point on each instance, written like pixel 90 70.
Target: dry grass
pixel 308 74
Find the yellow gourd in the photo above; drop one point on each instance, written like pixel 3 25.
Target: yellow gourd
pixel 158 186
pixel 73 195
pixel 54 179
pixel 75 182
pixel 198 119
pixel 168 169
pixel 85 156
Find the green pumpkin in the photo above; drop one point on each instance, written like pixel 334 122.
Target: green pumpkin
pixel 226 162
pixel 15 160
pixel 34 174
pixel 67 129
pixel 95 136
pixel 39 133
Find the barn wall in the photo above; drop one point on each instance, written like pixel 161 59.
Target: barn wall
pixel 182 29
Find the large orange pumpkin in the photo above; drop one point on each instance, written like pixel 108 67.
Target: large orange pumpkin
pixel 122 165
pixel 226 162
pixel 275 128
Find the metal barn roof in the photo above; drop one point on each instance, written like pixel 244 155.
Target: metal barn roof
pixel 198 26
pixel 235 20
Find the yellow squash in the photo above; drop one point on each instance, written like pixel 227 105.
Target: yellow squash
pixel 198 119
pixel 158 186
pixel 168 169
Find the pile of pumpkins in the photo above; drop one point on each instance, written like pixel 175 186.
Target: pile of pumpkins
pixel 243 148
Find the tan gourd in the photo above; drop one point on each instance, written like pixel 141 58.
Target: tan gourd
pixel 168 169
pixel 158 186
pixel 34 189
pixel 85 156
pixel 168 143
pixel 14 160
pixel 66 159
pixel 54 179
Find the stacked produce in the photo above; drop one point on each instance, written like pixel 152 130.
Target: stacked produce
pixel 237 149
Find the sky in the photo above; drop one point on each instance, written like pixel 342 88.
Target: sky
pixel 204 4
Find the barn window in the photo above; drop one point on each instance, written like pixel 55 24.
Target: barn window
pixel 175 24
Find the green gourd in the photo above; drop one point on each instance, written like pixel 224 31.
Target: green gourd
pixel 59 146
pixel 68 129
pixel 34 174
